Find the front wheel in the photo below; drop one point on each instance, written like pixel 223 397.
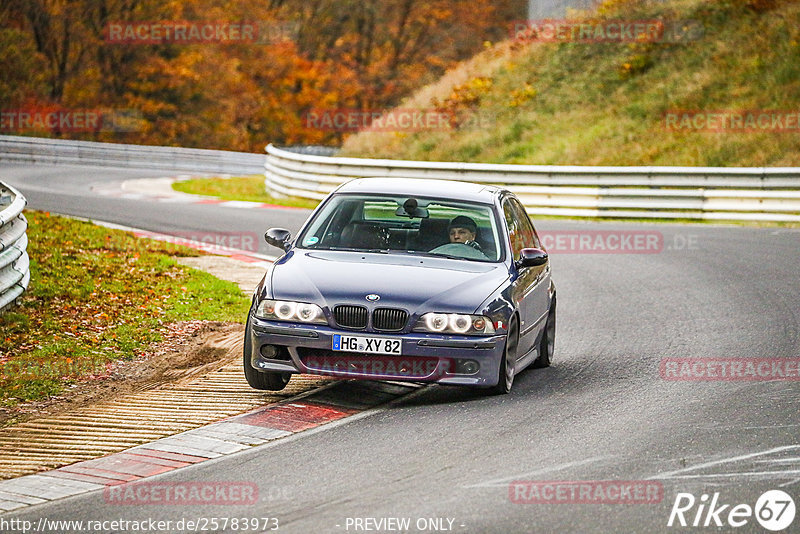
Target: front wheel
pixel 548 343
pixel 507 364
pixel 262 380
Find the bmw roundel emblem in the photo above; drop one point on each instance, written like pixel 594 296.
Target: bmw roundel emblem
pixel 373 297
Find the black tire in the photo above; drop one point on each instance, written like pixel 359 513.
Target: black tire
pixel 262 380
pixel 547 344
pixel 505 377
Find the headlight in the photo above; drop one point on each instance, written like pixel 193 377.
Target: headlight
pixel 454 323
pixel 284 310
pixel 435 322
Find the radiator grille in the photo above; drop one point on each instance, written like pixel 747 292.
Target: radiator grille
pixel 351 316
pixel 389 319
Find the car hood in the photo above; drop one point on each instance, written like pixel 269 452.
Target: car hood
pixel 417 284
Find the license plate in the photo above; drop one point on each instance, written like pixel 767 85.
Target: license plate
pixel 370 345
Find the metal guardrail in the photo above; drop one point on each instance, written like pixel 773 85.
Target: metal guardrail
pixel 18 149
pixel 14 265
pixel 711 193
pixel 759 194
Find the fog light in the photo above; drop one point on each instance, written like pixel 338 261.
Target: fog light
pixel 270 352
pixel 467 367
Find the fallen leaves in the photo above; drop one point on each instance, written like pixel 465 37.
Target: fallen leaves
pixel 96 295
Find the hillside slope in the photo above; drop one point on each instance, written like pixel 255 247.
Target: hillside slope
pixel 605 103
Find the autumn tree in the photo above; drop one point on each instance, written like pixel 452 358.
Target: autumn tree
pixel 365 54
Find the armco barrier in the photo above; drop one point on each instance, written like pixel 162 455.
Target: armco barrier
pixel 17 149
pixel 755 194
pixel 14 271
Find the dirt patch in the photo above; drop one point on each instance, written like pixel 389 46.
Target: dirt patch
pixel 203 355
pixel 246 275
pixel 188 348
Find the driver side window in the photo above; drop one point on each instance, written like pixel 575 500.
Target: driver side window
pixel 520 230
pixel 514 230
pixel 529 237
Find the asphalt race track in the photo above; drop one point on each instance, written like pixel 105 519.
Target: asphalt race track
pixel 68 190
pixel 602 412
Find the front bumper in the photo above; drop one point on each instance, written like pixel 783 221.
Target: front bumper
pixel 425 357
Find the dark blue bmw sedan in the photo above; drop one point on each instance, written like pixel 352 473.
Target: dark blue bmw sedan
pixel 405 279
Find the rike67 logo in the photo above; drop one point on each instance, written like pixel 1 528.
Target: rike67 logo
pixel 774 511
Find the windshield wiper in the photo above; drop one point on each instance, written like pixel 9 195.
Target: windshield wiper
pixel 348 249
pixel 432 255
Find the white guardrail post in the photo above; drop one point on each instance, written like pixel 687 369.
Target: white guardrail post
pixel 14 266
pixel 710 193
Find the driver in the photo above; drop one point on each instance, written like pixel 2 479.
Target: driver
pixel 464 230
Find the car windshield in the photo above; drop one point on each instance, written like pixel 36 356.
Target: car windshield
pixel 406 225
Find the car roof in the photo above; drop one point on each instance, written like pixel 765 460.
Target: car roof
pixel 442 189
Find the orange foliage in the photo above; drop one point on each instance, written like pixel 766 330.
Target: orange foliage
pixel 364 54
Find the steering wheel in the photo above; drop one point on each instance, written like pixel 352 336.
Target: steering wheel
pixel 460 249
pixel 474 244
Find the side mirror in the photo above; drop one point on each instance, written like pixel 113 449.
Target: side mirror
pixel 279 237
pixel 531 257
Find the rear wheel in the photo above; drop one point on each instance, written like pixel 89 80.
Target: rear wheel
pixel 507 365
pixel 263 380
pixel 548 342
